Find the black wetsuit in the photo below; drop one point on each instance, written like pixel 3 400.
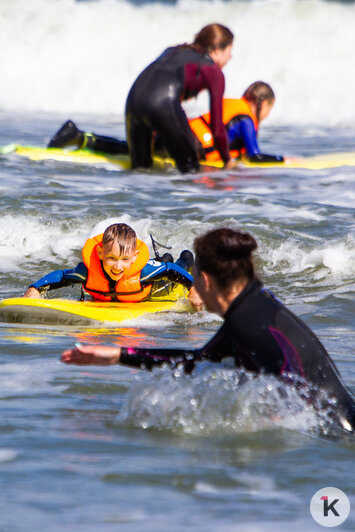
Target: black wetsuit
pixel 261 335
pixel 154 104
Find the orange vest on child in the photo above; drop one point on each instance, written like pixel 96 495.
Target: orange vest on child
pixel 230 109
pixel 128 288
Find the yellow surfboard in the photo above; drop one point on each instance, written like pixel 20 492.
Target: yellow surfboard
pixel 70 312
pixel 35 153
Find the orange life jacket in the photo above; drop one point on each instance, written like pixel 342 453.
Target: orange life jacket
pixel 230 109
pixel 128 288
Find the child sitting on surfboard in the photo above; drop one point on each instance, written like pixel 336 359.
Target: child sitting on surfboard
pixel 241 118
pixel 116 267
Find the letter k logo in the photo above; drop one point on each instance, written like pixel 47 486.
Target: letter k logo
pixel 327 507
pixel 330 507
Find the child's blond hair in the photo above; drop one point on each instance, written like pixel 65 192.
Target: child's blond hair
pixel 123 235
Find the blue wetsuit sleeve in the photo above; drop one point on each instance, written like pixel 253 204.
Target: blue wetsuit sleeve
pixel 156 271
pixel 245 130
pixel 60 278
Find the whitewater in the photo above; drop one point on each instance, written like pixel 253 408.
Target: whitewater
pixel 75 57
pixel 114 449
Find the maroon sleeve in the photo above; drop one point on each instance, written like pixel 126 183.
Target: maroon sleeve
pixel 214 80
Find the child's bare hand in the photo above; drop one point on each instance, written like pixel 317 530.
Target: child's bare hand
pixel 229 165
pixel 195 299
pixel 32 292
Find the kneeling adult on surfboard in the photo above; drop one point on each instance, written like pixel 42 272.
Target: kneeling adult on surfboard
pixel 154 101
pixel 259 332
pixel 116 267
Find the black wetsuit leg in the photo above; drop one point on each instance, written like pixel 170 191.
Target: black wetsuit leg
pixel 70 135
pixel 186 260
pixel 139 131
pixel 176 136
pixel 106 144
pixel 139 138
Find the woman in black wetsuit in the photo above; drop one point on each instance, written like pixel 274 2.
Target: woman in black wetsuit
pixel 259 333
pixel 154 101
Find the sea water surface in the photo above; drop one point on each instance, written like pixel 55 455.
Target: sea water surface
pixel 91 448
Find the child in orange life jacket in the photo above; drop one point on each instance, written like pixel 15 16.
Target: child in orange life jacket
pixel 241 118
pixel 116 267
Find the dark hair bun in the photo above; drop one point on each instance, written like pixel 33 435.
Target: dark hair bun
pixel 236 245
pixel 225 254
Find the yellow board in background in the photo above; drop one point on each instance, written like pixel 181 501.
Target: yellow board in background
pixel 71 156
pixel 316 162
pixel 88 157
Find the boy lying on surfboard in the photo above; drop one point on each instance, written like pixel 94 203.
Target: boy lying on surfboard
pixel 116 267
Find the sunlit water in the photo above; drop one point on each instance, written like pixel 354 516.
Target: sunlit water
pixel 107 449
pixel 119 449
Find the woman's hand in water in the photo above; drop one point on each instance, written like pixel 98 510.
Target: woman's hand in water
pixel 96 355
pixel 195 299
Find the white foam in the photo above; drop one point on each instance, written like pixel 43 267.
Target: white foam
pixel 175 234
pixel 7 455
pixel 217 400
pixel 26 240
pixel 82 57
pixel 337 258
pixel 30 378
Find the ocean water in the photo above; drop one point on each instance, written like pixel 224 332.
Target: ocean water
pixel 82 56
pixel 107 449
